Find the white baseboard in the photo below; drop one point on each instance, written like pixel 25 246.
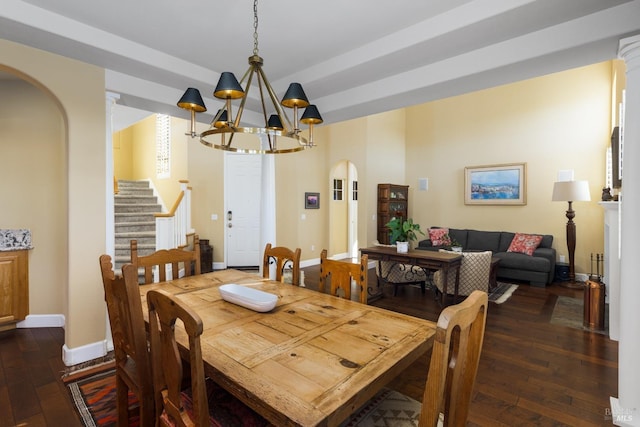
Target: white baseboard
pixel 73 356
pixel 309 262
pixel 70 356
pixel 42 321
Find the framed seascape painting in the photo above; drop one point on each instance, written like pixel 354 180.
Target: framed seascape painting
pixel 496 184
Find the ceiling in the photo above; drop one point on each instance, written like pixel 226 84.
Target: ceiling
pixel 354 58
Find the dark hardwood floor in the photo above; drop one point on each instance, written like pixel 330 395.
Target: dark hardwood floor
pixel 532 372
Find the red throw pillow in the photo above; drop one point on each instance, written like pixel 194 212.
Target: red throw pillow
pixel 439 236
pixel 525 243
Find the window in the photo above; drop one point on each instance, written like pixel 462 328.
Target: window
pixel 163 146
pixel 338 185
pixel 354 186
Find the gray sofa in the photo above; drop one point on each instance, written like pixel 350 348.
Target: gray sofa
pixel 538 269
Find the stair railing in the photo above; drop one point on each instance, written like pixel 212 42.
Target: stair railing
pixel 172 227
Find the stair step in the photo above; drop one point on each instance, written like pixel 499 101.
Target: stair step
pixel 126 241
pixel 125 183
pixel 135 192
pixel 129 208
pixel 130 217
pixel 123 251
pixel 134 227
pixel 133 198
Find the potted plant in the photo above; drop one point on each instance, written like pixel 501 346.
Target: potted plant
pixel 455 246
pixel 402 232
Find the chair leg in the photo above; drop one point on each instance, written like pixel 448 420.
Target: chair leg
pixel 122 401
pixel 147 411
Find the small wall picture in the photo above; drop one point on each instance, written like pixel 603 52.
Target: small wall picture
pixel 312 200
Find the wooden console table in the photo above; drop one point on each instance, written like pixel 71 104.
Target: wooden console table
pixel 428 260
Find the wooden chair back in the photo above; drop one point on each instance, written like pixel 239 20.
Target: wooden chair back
pixel 164 310
pixel 133 365
pixel 283 257
pixel 340 274
pixel 173 258
pixel 454 361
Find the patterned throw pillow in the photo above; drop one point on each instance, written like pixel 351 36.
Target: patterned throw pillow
pixel 525 243
pixel 439 236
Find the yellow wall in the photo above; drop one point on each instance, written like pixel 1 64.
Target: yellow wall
pixel 33 190
pixel 123 153
pixel 79 212
pixel 560 121
pixel 134 151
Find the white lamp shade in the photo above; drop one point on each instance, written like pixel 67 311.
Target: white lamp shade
pixel 571 191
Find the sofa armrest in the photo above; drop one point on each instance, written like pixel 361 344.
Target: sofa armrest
pixel 550 254
pixel 426 245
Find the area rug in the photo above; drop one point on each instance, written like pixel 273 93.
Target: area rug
pixel 387 408
pixel 569 312
pixel 94 397
pixel 502 292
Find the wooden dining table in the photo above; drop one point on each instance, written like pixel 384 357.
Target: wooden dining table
pixel 311 361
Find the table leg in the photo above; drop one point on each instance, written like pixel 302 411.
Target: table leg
pixel 374 294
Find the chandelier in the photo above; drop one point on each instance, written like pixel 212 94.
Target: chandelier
pixel 277 127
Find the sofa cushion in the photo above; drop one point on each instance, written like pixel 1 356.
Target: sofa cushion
pixel 505 240
pixel 459 235
pixel 439 236
pixel 483 240
pixel 519 261
pixel 547 241
pixel 525 243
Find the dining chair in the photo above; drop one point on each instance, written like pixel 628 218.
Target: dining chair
pixel 167 258
pixel 341 274
pixel 204 403
pixel 452 373
pixel 284 258
pixel 133 365
pixel 475 271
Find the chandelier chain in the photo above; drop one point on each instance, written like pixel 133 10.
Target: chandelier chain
pixel 255 27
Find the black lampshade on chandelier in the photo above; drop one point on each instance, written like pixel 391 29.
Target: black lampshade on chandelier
pixel 277 125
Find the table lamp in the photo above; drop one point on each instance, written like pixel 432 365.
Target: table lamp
pixel 571 191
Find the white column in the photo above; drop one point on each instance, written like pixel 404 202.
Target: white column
pixel 110 99
pixel 110 240
pixel 612 265
pixel 626 411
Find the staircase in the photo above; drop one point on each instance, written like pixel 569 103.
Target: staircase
pixel 134 206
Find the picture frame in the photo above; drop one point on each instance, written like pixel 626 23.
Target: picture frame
pixel 312 200
pixel 502 184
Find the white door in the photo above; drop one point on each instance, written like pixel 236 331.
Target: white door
pixel 243 174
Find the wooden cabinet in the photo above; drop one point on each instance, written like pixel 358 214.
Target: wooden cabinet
pixel 392 202
pixel 14 287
